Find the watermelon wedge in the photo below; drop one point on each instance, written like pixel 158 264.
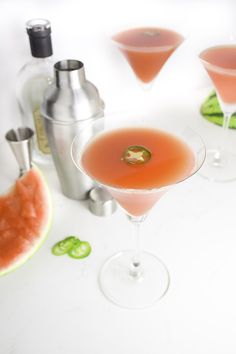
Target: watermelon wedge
pixel 210 110
pixel 25 218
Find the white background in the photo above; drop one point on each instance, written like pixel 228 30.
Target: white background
pixel 53 305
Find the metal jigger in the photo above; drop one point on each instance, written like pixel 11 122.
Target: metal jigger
pixel 21 141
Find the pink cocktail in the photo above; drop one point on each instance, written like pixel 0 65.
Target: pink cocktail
pixel 147 49
pixel 220 64
pixel 170 161
pixel 137 165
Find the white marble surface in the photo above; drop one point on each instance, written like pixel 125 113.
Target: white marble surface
pixel 54 305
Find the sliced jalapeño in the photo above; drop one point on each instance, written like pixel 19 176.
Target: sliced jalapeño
pixel 62 247
pixel 136 155
pixel 81 250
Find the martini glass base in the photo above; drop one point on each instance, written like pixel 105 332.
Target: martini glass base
pixel 219 167
pixel 126 290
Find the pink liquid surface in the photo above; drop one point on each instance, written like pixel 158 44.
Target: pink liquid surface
pixel 220 63
pixel 147 49
pixel 171 161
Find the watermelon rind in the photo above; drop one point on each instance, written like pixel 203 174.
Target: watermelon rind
pixel 211 111
pixel 26 256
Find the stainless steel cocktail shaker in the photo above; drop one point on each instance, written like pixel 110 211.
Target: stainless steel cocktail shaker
pixel 70 104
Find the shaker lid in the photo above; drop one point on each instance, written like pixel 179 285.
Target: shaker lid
pixel 71 97
pixel 101 203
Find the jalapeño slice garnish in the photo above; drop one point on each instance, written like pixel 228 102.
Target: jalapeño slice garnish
pixel 136 155
pixel 81 250
pixel 151 33
pixel 73 247
pixel 62 247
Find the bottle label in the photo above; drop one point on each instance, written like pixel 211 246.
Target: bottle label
pixel 40 132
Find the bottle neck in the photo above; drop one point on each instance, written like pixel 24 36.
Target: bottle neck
pixel 41 47
pixel 42 60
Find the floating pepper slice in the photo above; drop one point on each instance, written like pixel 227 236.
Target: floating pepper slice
pixel 136 155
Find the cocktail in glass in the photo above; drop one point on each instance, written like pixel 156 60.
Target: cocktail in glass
pixel 147 49
pixel 220 64
pixel 137 165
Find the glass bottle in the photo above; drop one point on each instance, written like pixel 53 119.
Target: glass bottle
pixel 33 79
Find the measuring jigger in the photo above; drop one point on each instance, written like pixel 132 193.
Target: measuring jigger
pixel 21 144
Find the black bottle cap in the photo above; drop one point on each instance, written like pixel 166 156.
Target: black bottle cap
pixel 39 31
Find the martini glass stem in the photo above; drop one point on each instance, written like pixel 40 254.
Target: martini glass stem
pixel 223 138
pixel 226 120
pixel 136 270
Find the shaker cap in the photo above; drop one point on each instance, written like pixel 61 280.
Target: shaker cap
pixel 101 203
pixel 39 31
pixel 71 97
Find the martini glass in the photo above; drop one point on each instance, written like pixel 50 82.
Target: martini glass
pixel 220 64
pixel 147 49
pixel 137 164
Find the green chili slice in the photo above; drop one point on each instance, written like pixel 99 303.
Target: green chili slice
pixel 81 250
pixel 136 155
pixel 62 247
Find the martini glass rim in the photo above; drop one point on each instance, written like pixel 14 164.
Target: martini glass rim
pixel 150 190
pixel 143 48
pixel 215 67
